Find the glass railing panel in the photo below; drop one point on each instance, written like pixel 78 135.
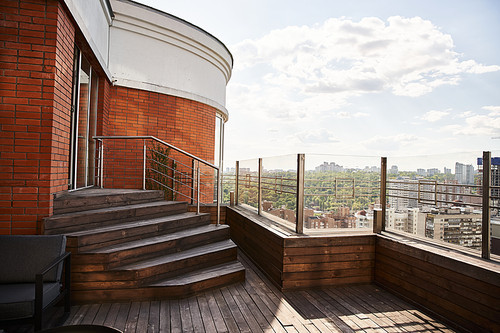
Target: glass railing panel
pixel 248 183
pixel 279 188
pixel 437 197
pixel 495 205
pixel 228 184
pixel 341 192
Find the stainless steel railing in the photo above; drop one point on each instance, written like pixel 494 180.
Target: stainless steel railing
pixel 134 161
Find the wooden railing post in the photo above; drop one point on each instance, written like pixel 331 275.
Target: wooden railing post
pixel 383 190
pixel 299 223
pixel 236 182
pixel 259 195
pixel 485 222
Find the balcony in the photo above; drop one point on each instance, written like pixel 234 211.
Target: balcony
pixel 326 247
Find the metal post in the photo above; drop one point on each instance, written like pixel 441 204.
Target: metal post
pixel 236 182
pixel 486 231
pixel 383 190
pixel 144 166
pixel 198 188
pixel 218 195
pixel 259 196
pixel 301 163
pixel 192 180
pixel 101 172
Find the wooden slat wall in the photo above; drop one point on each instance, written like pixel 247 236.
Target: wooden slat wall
pixel 328 261
pixel 212 209
pixel 264 247
pixel 297 262
pixel 464 290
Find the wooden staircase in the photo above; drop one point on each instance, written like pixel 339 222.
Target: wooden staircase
pixel 132 245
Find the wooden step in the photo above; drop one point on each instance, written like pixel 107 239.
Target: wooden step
pixel 155 269
pixel 190 284
pixel 86 220
pixel 83 241
pixel 141 249
pixel 97 198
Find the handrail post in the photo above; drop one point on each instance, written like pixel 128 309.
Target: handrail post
pixel 198 189
pixel 218 195
pixel 301 162
pixel 236 182
pixel 259 196
pixel 144 165
pixel 101 172
pixel 383 189
pixel 485 222
pixel 193 162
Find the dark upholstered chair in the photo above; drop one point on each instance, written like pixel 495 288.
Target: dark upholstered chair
pixel 31 277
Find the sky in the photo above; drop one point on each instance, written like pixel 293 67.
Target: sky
pixel 363 78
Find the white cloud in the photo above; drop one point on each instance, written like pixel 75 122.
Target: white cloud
pixel 390 142
pixel 477 124
pixel 315 136
pixel 341 58
pixel 433 115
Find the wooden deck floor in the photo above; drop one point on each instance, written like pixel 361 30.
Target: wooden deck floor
pixel 256 306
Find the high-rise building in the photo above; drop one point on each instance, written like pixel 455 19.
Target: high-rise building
pixel 464 173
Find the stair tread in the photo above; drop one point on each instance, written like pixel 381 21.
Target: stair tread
pixel 156 239
pixel 108 210
pixel 171 257
pixel 201 274
pixel 134 224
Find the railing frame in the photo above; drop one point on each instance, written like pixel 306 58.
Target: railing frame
pixel 101 139
pixel 379 221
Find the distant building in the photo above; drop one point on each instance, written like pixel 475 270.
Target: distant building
pixel 421 172
pixel 464 174
pixel 332 166
pixel 447 171
pixel 432 172
pixel 455 226
pixel 393 170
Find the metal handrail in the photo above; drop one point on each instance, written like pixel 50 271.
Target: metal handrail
pixel 100 175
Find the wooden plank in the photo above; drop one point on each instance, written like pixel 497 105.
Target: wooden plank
pixel 165 316
pixel 186 320
pixel 329 241
pixel 327 266
pixel 175 316
pixel 121 318
pixel 112 315
pixel 310 283
pixel 102 314
pixel 322 250
pixel 207 318
pixel 304 259
pixel 154 317
pixel 225 311
pixel 235 310
pixel 196 318
pixel 143 317
pixel 133 316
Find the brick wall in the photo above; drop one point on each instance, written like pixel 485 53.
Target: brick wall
pixel 187 124
pixel 37 41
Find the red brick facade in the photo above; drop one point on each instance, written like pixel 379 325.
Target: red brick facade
pixel 187 124
pixel 37 43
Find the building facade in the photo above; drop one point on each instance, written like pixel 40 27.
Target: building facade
pixel 74 69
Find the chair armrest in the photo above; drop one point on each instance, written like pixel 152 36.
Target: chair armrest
pixel 54 263
pixel 66 257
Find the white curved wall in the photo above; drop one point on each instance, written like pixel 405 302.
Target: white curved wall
pixel 154 51
pixel 94 19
